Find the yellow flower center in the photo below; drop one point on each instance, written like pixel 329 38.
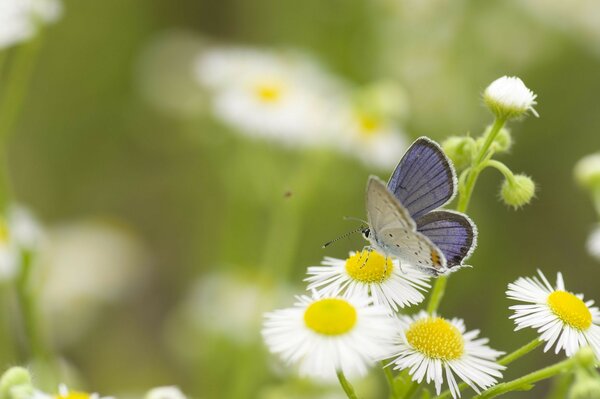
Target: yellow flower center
pixel 73 395
pixel 330 316
pixel 436 338
pixel 368 124
pixel 268 92
pixel 4 233
pixel 570 309
pixel 369 267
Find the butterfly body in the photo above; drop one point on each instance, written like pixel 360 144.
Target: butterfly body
pixel 403 218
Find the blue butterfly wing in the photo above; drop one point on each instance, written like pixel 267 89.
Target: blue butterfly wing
pixel 424 179
pixel 452 232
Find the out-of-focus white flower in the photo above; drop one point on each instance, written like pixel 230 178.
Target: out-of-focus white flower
pixel 226 304
pixel 587 171
pixel 431 347
pixel 20 232
pixel 331 334
pixel 169 392
pixel 593 243
pixel 508 97
pixel 276 95
pixel 372 139
pixel 19 18
pixel 560 317
pixel 83 266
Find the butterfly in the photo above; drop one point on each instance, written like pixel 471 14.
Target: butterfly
pixel 404 219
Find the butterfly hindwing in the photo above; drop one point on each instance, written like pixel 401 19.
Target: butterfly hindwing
pixel 393 231
pixel 452 232
pixel 424 179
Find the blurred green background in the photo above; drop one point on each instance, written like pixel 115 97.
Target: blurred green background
pixel 204 201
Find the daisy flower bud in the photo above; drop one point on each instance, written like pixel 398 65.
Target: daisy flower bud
pixel 15 379
pixel 508 98
pixel 586 385
pixel 517 191
pixel 587 171
pixel 460 149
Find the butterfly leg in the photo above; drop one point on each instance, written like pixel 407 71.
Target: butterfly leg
pixel 368 249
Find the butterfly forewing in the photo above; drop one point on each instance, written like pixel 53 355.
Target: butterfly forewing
pixel 393 231
pixel 424 179
pixel 452 232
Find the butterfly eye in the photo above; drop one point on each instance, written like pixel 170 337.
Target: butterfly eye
pixel 366 232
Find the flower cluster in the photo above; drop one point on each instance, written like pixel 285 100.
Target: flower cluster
pixel 351 321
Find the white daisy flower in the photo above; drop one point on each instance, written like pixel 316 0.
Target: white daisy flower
pixel 329 334
pixel 431 346
pixel 280 96
pixel 19 18
pixel 368 273
pixel 508 97
pixel 593 243
pixel 562 318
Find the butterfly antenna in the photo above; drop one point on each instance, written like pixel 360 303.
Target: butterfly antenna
pixel 356 219
pixel 328 243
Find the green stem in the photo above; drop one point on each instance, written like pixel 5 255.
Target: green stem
pixel 508 174
pixel 505 361
pixel 465 191
pixel 522 351
pixel 29 312
pixel 561 386
pixel 412 389
pixel 18 78
pixel 389 376
pixel 437 293
pixel 346 386
pixel 526 382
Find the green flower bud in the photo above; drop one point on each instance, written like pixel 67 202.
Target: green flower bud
pixel 587 171
pixel 586 385
pixel 509 98
pixel 460 149
pixel 15 379
pixel 517 191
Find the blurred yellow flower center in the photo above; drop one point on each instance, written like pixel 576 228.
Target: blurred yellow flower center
pixel 268 92
pixel 369 124
pixel 369 267
pixel 73 395
pixel 436 338
pixel 4 233
pixel 330 316
pixel 570 309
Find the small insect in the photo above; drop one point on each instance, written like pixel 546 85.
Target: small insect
pixel 403 216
